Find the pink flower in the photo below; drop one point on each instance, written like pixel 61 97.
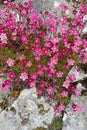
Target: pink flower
pixel 33 76
pixel 77 108
pixel 59 74
pixel 37 57
pixel 29 64
pixel 36 40
pixel 11 75
pixel 24 39
pixel 64 94
pixel 50 90
pixel 23 12
pixel 6 84
pixel 66 84
pixel 78 42
pixel 61 107
pixel 52 71
pixel 56 111
pixel 70 62
pixel 78 92
pixel 24 76
pixel 54 60
pixel 54 40
pixel 54 48
pixel 63 6
pixel 40 72
pixel 39 91
pixel 33 84
pixel 62 29
pixel 75 49
pixel 47 44
pixel 10 62
pixel 21 57
pixel 51 65
pixel 52 29
pixel 3 37
pixel 72 77
pixel 42 85
pixel 85 58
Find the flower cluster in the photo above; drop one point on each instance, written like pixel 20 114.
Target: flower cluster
pixel 37 49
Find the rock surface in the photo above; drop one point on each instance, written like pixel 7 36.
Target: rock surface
pixel 44 5
pixel 27 112
pixel 73 120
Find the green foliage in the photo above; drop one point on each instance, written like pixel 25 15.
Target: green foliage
pixel 57 124
pixel 39 128
pixel 44 60
pixel 65 100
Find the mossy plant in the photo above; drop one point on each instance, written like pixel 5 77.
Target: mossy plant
pixel 40 128
pixel 56 124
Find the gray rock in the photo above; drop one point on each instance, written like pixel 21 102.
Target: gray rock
pixel 73 120
pixel 27 112
pixel 44 5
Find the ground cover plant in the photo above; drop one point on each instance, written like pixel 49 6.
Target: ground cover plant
pixel 38 49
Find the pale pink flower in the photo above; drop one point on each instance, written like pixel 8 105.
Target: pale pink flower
pixel 64 94
pixel 67 45
pixel 50 90
pixel 10 62
pixel 62 29
pixel 78 42
pixel 33 84
pixel 37 57
pixel 29 64
pixel 85 58
pixel 70 62
pixel 21 57
pixel 51 65
pixel 14 33
pixel 3 37
pixel 24 76
pixel 56 9
pixel 54 40
pixel 72 76
pixel 61 107
pixel 77 92
pixel 77 108
pixel 52 70
pixel 75 49
pixel 54 60
pixel 66 84
pixel 47 44
pixel 59 74
pixel 54 48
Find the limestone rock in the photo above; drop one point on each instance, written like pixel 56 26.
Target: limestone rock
pixel 73 120
pixel 44 5
pixel 27 112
